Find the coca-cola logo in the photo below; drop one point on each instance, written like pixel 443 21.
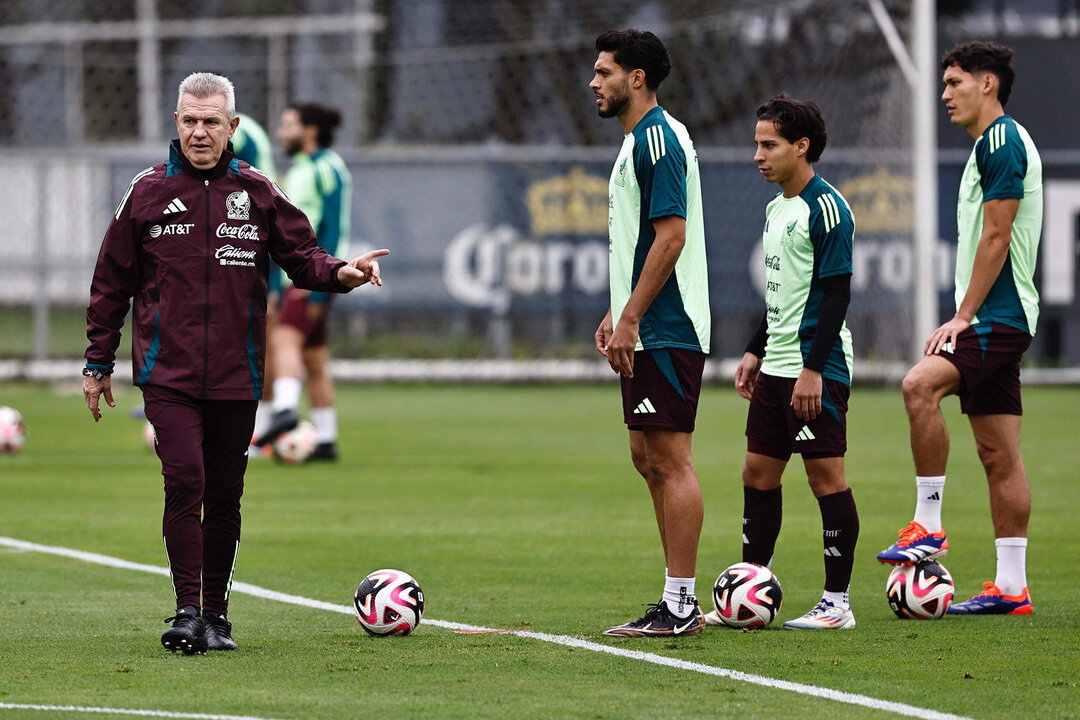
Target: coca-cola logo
pixel 228 251
pixel 238 232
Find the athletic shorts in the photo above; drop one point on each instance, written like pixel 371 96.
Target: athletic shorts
pixel 294 305
pixel 664 390
pixel 988 358
pixel 773 430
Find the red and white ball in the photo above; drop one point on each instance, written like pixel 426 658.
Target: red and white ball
pixel 747 595
pixel 12 430
pixel 389 602
pixel 297 445
pixel 922 591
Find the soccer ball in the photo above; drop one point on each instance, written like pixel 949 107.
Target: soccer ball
pixel 297 445
pixel 922 591
pixel 747 595
pixel 389 602
pixel 12 430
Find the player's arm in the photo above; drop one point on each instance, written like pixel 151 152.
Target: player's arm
pixel 603 334
pixel 750 365
pixel 116 278
pixel 659 263
pixel 806 396
pixel 990 256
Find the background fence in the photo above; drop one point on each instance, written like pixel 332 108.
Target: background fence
pixel 478 157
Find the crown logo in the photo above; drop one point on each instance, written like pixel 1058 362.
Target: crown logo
pixel 880 201
pixel 571 204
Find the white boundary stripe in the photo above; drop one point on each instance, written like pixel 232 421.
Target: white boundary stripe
pixel 566 641
pixel 126 711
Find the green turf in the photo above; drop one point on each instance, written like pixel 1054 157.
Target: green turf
pixel 515 507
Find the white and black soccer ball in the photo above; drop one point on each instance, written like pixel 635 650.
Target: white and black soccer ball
pixel 922 591
pixel 747 595
pixel 297 445
pixel 12 430
pixel 389 602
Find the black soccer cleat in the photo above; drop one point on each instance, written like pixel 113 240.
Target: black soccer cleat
pixel 188 632
pixel 325 451
pixel 282 422
pixel 218 631
pixel 658 621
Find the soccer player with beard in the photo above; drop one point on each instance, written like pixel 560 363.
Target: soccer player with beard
pixel 656 333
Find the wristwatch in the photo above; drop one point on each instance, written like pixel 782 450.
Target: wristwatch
pixel 96 373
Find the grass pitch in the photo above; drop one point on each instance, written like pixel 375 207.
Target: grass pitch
pixel 515 508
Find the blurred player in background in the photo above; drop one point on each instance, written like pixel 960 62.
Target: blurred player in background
pixel 252 145
pixel 796 371
pixel 191 242
pixel 656 332
pixel 977 353
pixel 320 184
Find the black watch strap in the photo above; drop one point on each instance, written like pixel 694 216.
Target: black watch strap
pixel 96 372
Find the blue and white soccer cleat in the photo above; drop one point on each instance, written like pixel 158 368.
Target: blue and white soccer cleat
pixel 916 544
pixel 991 601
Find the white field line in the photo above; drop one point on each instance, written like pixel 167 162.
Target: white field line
pixel 564 640
pixel 126 711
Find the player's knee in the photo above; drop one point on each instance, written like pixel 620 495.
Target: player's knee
pixel 995 460
pixel 641 464
pixel 918 393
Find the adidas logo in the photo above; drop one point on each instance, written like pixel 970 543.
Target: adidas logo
pixel 175 207
pixel 935 496
pixel 805 434
pixel 947 347
pixel 832 551
pixel 644 407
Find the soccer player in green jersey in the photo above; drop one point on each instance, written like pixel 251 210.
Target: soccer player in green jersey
pixel 320 184
pixel 656 332
pixel 977 353
pixel 796 371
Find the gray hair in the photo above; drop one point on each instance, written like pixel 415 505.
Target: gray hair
pixel 203 85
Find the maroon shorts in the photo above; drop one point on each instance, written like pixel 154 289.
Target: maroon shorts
pixel 773 430
pixel 988 358
pixel 664 390
pixel 294 313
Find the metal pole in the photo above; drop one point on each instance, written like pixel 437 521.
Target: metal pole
pixel 924 147
pixel 41 298
pixel 149 71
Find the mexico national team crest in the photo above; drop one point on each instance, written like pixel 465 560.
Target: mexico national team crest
pixel 238 205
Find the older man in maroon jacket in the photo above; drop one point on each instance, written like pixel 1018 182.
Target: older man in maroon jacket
pixel 191 242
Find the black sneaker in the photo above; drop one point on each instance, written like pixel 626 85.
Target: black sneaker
pixel 658 621
pixel 325 451
pixel 282 422
pixel 218 631
pixel 188 633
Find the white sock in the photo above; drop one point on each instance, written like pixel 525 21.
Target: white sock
pixel 262 417
pixel 287 393
pixel 839 599
pixel 325 422
pixel 679 595
pixel 1011 559
pixel 928 504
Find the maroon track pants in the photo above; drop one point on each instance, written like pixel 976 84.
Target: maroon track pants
pixel 203 446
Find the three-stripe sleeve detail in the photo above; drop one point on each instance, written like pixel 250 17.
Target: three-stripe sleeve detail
pixel 830 211
pixel 131 188
pixel 996 137
pixel 657 144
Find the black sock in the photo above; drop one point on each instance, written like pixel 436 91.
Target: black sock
pixel 840 531
pixel 763 511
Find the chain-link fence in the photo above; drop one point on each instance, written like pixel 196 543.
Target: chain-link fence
pixel 475 147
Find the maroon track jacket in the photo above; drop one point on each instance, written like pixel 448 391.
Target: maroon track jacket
pixel 193 249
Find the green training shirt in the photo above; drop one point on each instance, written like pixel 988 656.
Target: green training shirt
pixel 655 176
pixel 1003 164
pixel 806 238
